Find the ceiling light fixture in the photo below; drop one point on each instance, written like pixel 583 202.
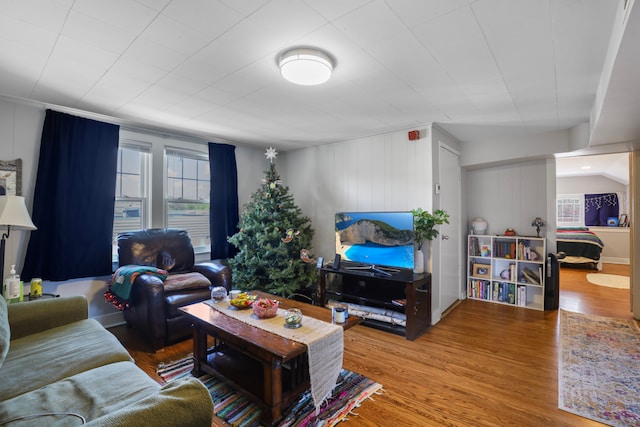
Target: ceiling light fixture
pixel 306 67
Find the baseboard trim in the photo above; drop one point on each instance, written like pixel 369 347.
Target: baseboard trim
pixel 612 260
pixel 110 320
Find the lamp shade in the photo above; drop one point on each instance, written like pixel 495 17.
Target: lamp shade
pixel 306 67
pixel 13 212
pixel 537 222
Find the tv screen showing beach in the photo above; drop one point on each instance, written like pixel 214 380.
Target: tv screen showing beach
pixel 377 238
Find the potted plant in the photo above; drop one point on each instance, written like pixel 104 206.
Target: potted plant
pixel 424 229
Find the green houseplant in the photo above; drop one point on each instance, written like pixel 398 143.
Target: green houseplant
pixel 424 229
pixel 424 223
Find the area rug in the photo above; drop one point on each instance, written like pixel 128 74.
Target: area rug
pixel 599 368
pixel 350 391
pixel 609 280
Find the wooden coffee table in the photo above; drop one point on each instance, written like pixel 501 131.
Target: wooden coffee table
pixel 270 369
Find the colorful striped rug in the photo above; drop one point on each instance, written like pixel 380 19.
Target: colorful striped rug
pixel 350 391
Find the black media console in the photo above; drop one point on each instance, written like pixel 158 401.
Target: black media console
pixel 400 291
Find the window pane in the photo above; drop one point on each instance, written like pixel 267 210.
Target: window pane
pixel 174 166
pixel 193 217
pixel 128 216
pixel 131 186
pixel 203 190
pixel 189 190
pixel 568 211
pixel 174 188
pixel 131 161
pixel 203 171
pixel 189 168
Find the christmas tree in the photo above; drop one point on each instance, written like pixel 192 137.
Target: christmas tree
pixel 274 242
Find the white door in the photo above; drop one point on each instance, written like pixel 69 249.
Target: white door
pixel 450 243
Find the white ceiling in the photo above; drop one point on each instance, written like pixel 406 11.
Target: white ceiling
pixel 208 67
pixel 612 166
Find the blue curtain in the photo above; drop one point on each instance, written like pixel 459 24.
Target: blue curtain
pixel 599 207
pixel 223 219
pixel 73 200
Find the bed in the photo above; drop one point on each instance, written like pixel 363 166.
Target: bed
pixel 581 246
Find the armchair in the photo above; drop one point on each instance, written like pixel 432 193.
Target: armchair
pixel 154 307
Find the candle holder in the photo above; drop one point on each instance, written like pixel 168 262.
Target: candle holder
pixel 293 318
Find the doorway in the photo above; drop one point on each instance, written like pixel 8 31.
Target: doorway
pixel 596 174
pixel 449 238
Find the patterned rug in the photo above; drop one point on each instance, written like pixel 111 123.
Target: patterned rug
pixel 599 368
pixel 350 391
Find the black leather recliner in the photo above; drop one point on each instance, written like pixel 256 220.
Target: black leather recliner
pixel 154 310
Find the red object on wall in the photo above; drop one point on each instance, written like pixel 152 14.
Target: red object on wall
pixel 414 134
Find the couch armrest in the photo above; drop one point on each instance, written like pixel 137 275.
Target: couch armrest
pixel 217 273
pixel 183 402
pixel 28 318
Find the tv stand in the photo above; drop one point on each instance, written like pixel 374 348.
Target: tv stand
pixel 382 271
pixel 397 291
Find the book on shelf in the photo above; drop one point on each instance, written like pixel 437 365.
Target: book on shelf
pixel 522 296
pixel 475 247
pixel 399 302
pixel 504 249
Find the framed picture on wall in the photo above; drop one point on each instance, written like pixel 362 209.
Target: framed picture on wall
pixel 11 177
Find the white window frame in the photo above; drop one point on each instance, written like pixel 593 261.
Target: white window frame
pixel 199 246
pixel 570 198
pixel 144 199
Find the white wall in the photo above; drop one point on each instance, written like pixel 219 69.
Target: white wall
pixel 20 131
pixel 511 196
pixel 513 149
pixel 380 173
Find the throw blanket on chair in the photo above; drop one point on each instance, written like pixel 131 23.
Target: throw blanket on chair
pixel 119 288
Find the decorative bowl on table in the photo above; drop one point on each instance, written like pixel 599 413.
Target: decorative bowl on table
pixel 293 318
pixel 218 293
pixel 265 308
pixel 243 301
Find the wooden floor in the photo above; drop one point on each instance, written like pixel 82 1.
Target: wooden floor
pixel 483 364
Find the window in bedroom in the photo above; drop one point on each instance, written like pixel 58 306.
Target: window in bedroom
pixel 131 210
pixel 187 195
pixel 570 210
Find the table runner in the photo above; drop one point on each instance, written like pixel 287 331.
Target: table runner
pixel 324 341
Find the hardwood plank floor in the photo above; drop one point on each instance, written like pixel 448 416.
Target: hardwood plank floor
pixel 483 364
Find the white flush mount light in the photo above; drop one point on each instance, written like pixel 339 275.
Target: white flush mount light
pixel 306 67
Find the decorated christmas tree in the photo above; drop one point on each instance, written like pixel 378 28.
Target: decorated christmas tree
pixel 274 241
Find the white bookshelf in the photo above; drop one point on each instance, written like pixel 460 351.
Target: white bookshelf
pixel 507 270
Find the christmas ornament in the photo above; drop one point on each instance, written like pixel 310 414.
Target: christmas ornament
pixel 305 256
pixel 290 235
pixel 271 154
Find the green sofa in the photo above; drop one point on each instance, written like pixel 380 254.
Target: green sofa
pixel 58 367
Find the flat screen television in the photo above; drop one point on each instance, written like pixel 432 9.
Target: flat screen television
pixel 383 239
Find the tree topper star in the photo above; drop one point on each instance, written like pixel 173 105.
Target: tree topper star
pixel 271 154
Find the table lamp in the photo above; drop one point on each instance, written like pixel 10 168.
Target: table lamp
pixel 537 222
pixel 13 213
